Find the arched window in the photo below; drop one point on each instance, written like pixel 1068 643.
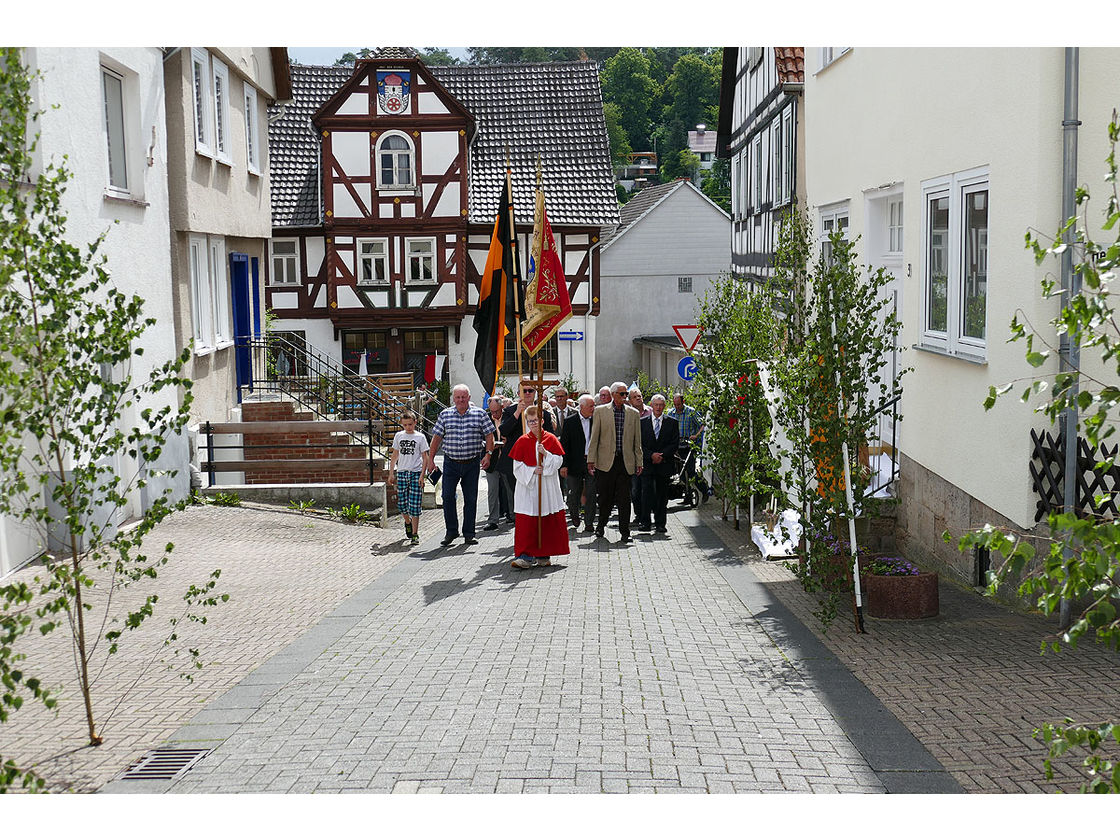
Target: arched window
pixel 394 163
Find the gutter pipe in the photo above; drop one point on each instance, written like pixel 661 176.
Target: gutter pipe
pixel 1070 351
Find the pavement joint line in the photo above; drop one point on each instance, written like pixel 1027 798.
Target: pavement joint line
pixel 895 755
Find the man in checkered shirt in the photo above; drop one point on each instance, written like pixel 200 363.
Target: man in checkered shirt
pixel 466 432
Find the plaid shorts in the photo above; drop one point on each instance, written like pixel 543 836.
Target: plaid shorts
pixel 410 496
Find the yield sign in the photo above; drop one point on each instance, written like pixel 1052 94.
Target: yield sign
pixel 688 334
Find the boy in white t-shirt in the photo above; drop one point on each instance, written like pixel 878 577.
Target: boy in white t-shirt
pixel 410 461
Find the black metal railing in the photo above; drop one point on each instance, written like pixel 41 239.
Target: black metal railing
pixel 882 409
pixel 317 463
pixel 273 364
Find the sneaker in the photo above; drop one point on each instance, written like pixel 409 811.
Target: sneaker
pixel 414 539
pixel 544 561
pixel 523 562
pixel 408 532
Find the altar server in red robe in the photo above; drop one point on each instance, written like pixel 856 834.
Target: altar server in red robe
pixel 536 465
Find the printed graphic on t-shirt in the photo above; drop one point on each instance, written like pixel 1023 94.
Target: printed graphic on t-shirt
pixel 408 447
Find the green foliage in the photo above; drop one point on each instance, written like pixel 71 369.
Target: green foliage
pixel 716 184
pixel 68 342
pixel 571 385
pixel 301 506
pixel 616 134
pixel 223 499
pixel 743 330
pixel 830 378
pixel 1104 774
pixel 1082 565
pixel 650 386
pixel 530 55
pixel 628 86
pixel 350 513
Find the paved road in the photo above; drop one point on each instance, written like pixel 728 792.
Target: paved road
pixel 633 669
pixel 673 665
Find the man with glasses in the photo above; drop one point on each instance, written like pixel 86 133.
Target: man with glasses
pixel 614 455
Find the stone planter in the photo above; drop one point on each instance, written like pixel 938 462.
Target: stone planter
pixel 901 596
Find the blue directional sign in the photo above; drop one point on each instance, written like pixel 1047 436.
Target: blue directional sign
pixel 570 335
pixel 686 368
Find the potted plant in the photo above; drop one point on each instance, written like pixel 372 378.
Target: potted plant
pixel 896 588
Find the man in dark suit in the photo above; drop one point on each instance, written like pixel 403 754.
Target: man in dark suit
pixel 575 435
pixel 660 437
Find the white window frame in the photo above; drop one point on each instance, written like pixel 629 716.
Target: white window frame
pixel 119 118
pixel 836 216
pixel 777 148
pixel 203 103
pixel 374 258
pixel 223 141
pixel 408 243
pixel 756 160
pixel 896 224
pixel 290 275
pixel 828 55
pixel 252 131
pixel 201 306
pixel 955 188
pixel 410 187
pixel 788 157
pixel 220 292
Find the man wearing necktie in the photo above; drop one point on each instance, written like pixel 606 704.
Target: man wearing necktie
pixel 660 437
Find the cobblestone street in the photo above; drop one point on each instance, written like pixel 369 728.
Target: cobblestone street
pixel 672 665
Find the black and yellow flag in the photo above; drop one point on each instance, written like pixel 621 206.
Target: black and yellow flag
pixel 497 313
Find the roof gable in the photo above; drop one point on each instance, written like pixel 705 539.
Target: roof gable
pixel 364 80
pixel 647 202
pixel 553 110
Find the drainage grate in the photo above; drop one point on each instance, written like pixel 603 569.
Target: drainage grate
pixel 163 764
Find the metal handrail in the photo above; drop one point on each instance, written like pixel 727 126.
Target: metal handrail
pixel 895 468
pixel 334 392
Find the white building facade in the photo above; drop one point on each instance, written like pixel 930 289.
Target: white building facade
pixel 654 271
pixel 948 157
pixel 111 124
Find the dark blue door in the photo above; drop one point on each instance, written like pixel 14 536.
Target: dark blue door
pixel 242 318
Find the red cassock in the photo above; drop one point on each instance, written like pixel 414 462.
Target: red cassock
pixel 553 538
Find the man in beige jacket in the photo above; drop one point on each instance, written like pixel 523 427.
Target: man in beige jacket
pixel 614 454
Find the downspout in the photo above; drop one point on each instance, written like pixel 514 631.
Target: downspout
pixel 1069 349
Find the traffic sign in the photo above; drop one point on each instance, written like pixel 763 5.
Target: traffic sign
pixel 570 335
pixel 688 334
pixel 686 368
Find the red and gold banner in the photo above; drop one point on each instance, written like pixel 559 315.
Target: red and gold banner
pixel 547 305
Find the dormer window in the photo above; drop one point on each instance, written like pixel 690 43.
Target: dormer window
pixel 395 163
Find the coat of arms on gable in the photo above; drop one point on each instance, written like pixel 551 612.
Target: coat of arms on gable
pixel 393 91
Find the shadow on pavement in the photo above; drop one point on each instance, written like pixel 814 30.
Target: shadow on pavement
pixel 501 573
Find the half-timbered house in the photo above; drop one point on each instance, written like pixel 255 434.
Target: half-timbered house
pixel 385 188
pixel 759 117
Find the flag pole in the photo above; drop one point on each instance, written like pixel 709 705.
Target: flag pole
pixel 540 404
pixel 516 269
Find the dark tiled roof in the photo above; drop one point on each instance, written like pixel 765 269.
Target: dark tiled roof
pixel 555 110
pixel 293 146
pixel 638 206
pixel 791 63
